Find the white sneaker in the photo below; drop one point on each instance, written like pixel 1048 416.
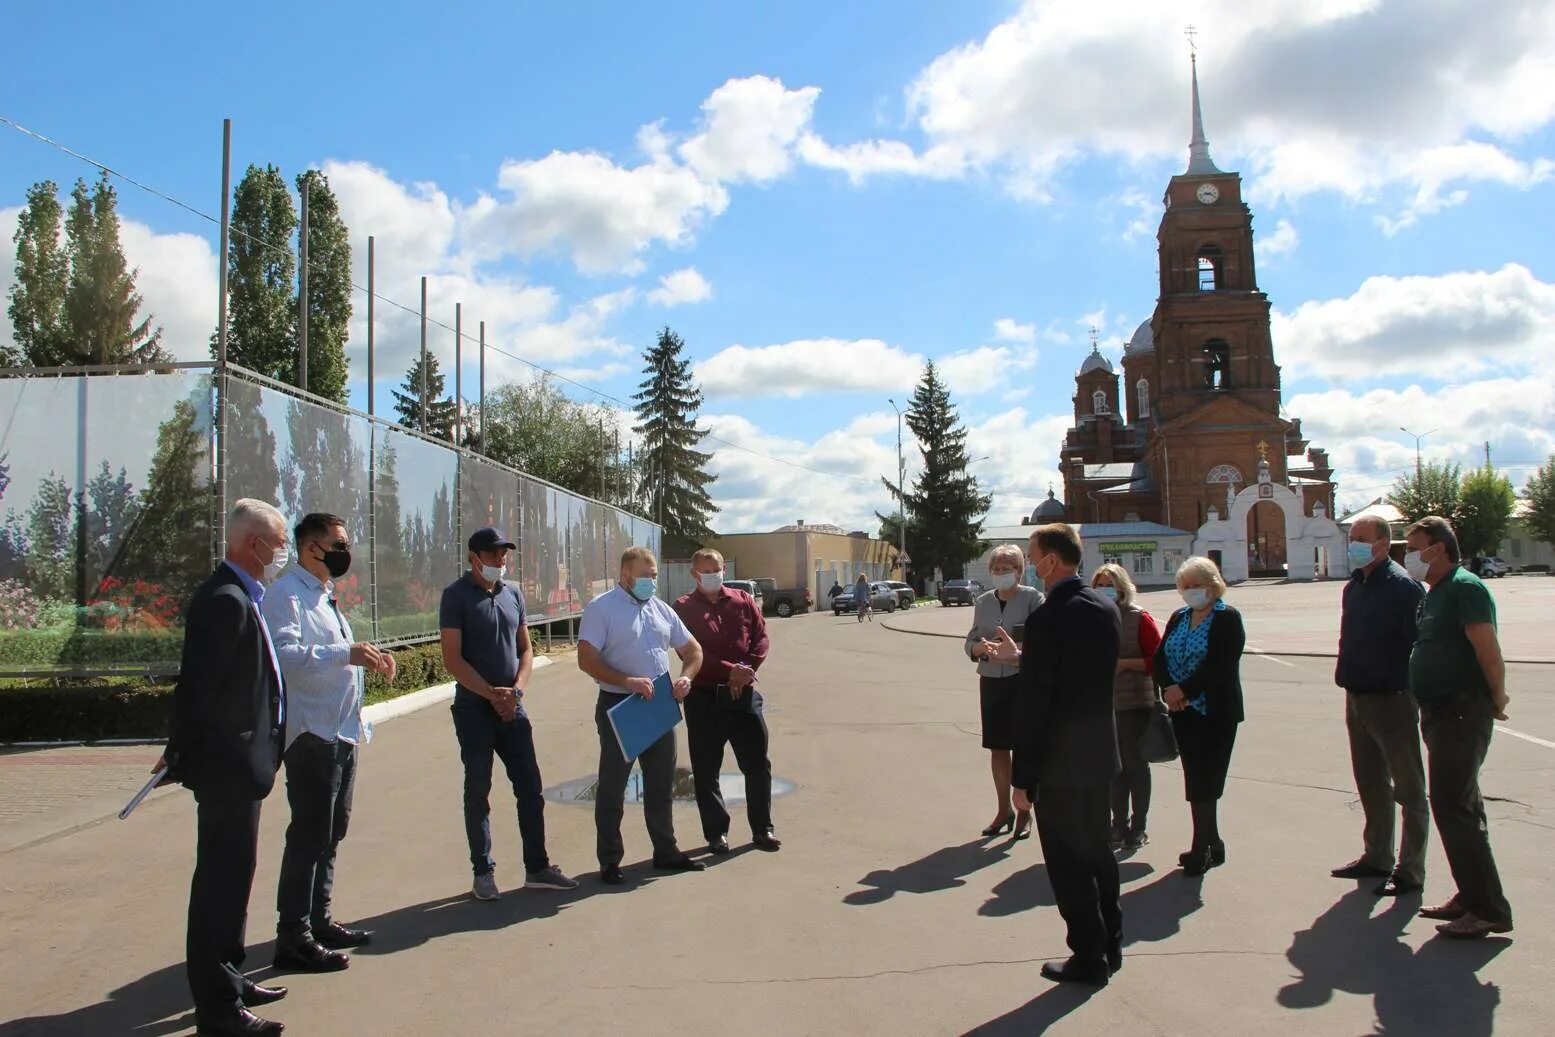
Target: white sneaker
pixel 486 887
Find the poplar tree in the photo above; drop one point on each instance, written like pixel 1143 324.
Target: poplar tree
pixel 261 276
pixel 37 308
pixel 329 289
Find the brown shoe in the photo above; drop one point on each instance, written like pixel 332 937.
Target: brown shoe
pixel 1472 927
pixel 1451 911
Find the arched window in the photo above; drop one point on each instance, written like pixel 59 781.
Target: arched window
pixel 1224 473
pixel 1217 364
pixel 1210 261
pixel 1142 396
pixel 1098 402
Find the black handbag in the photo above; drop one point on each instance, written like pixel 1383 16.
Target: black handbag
pixel 1158 742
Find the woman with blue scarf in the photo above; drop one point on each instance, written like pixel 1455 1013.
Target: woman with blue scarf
pixel 1198 668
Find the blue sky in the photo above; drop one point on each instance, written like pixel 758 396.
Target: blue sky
pixel 818 196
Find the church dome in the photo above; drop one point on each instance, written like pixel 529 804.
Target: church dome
pixel 1143 342
pixel 1096 362
pixel 1050 510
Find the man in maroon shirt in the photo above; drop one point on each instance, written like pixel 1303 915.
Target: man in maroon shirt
pixel 724 706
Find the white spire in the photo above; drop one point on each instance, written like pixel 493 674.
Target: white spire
pixel 1199 162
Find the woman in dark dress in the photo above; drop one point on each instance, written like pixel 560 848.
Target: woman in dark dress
pixel 1198 668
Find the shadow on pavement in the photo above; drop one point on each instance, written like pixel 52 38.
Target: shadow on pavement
pixel 1030 888
pixel 417 924
pixel 1155 912
pixel 1036 1015
pixel 153 1006
pixel 945 868
pixel 1431 990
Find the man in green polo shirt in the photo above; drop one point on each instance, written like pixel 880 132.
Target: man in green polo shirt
pixel 1457 674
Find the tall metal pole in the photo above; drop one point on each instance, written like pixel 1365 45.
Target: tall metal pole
pixel 371 298
pixel 1418 438
pixel 458 368
pixel 483 387
pixel 219 519
pixel 901 489
pixel 423 356
pixel 302 294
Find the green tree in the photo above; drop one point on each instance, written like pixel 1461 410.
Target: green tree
pixel 251 447
pixel 261 274
pixel 1485 509
pixel 37 307
pixel 51 541
pixel 675 477
pixel 440 409
pixel 944 509
pixel 1540 495
pixel 113 508
pixel 329 289
pixel 1434 489
pixel 102 307
pixel 535 428
pixel 170 544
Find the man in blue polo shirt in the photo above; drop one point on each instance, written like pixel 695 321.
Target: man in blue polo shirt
pixel 486 648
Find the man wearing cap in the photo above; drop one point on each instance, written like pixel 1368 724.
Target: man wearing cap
pixel 486 648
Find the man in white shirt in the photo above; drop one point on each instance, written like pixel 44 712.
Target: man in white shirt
pixel 624 642
pixel 322 666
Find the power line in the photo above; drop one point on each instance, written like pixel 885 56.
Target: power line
pixel 192 210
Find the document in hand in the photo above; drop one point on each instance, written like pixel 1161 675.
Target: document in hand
pixel 639 722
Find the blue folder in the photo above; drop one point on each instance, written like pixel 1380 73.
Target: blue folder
pixel 639 722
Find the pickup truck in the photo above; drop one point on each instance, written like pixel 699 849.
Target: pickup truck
pixel 783 601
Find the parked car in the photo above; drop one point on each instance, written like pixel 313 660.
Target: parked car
pixel 749 587
pixel 905 595
pixel 882 598
pixel 1489 567
pixel 959 592
pixel 784 601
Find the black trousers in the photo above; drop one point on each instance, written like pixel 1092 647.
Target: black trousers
pixel 658 790
pixel 1073 827
pixel 320 780
pixel 226 848
pixel 1457 737
pixel 708 730
pixel 1133 783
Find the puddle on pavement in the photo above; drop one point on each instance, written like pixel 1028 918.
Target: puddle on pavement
pixel 581 790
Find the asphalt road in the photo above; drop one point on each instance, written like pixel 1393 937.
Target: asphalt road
pixel 885 913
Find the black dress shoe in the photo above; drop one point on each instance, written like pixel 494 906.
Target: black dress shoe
pixel 308 956
pixel 1072 971
pixel 1115 958
pixel 719 846
pixel 1197 861
pixel 255 995
pixel 768 841
pixel 612 875
pixel 1360 870
pixel 1217 855
pixel 1397 887
pixel 243 1024
pixel 680 863
pixel 334 936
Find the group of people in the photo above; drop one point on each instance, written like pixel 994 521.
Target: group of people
pixel 1077 681
pixel 271 674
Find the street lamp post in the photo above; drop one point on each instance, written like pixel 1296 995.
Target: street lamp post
pixel 1418 438
pixel 901 489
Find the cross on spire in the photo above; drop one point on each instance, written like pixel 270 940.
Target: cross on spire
pixel 1094 335
pixel 1192 35
pixel 1199 162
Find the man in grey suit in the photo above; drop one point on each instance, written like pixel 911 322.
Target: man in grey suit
pixel 1066 754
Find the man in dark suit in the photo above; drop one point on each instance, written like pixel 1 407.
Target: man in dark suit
pixel 1066 752
pixel 225 747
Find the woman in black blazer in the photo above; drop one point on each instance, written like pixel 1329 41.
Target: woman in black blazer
pixel 1198 668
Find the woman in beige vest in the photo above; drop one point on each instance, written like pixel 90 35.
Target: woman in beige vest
pixel 1007 605
pixel 1133 702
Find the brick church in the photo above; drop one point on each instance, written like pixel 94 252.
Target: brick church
pixel 1196 417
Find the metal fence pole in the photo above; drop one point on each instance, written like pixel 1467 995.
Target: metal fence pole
pixel 371 298
pixel 302 294
pixel 483 388
pixel 458 369
pixel 423 356
pixel 219 418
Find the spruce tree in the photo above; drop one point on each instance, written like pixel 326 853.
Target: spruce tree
pixel 944 509
pixel 37 308
pixel 675 478
pixel 440 409
pixel 261 276
pixel 329 289
pixel 102 307
pixel 170 543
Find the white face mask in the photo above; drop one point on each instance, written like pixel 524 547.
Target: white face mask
pixel 1195 598
pixel 1417 566
pixel 277 562
pixel 711 582
pixel 1003 581
pixel 493 573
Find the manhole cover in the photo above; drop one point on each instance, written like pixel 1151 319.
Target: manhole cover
pixel 581 790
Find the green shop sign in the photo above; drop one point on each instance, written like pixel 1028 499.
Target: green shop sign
pixel 1129 546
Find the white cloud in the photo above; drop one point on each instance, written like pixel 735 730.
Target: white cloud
pixel 1023 460
pixel 749 129
pixel 866 158
pixel 808 366
pixel 1395 97
pixel 680 287
pixel 1282 242
pixel 986 368
pixel 1435 327
pixel 1007 329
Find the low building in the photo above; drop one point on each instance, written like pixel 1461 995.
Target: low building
pixel 808 556
pixel 1520 548
pixel 1150 551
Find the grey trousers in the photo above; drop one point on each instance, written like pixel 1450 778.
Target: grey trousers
pixel 658 767
pixel 1385 755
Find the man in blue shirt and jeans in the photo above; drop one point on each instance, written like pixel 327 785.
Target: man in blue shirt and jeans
pixel 486 648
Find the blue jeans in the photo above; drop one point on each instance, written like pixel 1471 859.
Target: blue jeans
pixel 481 733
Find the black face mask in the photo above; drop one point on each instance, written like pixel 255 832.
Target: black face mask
pixel 338 562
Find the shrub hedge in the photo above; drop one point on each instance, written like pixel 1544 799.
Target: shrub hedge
pixel 46 710
pixel 76 647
